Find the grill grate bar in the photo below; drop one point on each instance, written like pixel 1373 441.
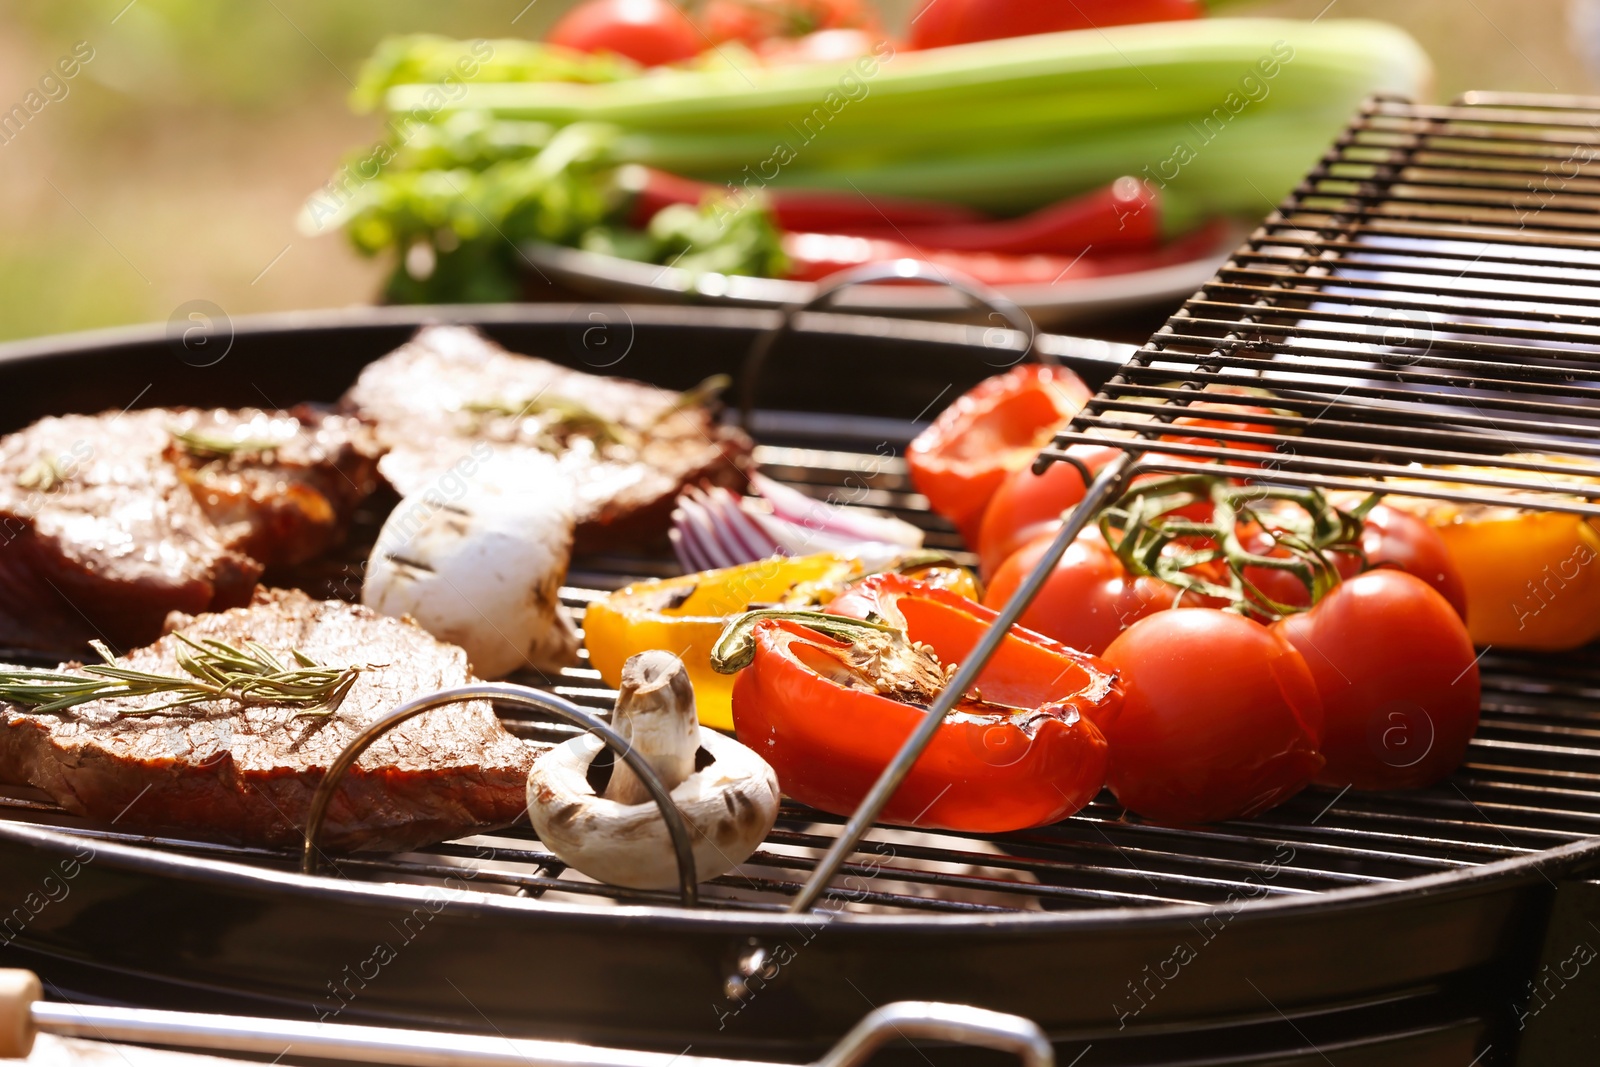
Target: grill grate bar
pixel 1396 326
pixel 1331 474
pixel 1354 254
pixel 1348 290
pixel 1320 407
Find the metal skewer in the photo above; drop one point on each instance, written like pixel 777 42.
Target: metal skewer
pixel 24 1015
pixel 1103 489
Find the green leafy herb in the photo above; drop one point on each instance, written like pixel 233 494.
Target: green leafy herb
pixel 200 443
pixel 562 417
pixel 214 670
pixel 44 474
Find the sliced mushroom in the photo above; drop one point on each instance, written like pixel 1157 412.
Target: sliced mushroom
pixel 619 837
pixel 483 570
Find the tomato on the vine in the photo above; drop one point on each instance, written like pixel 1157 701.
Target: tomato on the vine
pixel 1027 504
pixel 1399 539
pixel 1089 598
pixel 1398 678
pixel 1221 718
pixel 649 32
pixel 1390 538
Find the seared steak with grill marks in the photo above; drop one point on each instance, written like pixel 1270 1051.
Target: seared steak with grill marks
pixel 628 447
pixel 246 774
pixel 108 522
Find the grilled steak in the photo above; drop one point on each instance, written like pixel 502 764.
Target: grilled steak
pixel 630 448
pixel 246 774
pixel 108 522
pixel 280 486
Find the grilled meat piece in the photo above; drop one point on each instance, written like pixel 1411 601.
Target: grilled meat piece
pixel 280 485
pixel 246 774
pixel 108 522
pixel 449 398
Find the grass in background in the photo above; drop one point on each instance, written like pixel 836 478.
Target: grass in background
pixel 174 167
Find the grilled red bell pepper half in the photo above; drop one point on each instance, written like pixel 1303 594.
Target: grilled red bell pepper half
pixel 996 427
pixel 828 700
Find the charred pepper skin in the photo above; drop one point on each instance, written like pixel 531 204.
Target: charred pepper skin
pixel 1023 750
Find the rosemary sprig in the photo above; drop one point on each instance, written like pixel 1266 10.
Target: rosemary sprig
pixel 559 414
pixel 200 443
pixel 215 670
pixel 44 474
pixel 698 396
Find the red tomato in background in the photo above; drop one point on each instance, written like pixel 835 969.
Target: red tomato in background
pixel 1398 678
pixel 1089 598
pixel 756 22
pixel 1221 718
pixel 649 32
pixel 824 46
pixel 945 22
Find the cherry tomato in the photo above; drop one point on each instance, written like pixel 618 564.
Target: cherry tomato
pixel 650 32
pixel 946 22
pixel 1391 538
pixel 1221 718
pixel 1028 504
pixel 1398 678
pixel 1396 538
pixel 1089 597
pixel 994 428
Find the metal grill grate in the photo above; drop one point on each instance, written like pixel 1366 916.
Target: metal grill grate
pixel 1430 294
pixel 1532 782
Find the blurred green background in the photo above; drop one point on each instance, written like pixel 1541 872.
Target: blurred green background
pixel 173 167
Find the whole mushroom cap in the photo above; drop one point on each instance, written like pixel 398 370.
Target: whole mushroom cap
pixel 729 805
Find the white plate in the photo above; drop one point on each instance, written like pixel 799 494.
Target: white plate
pixel 625 280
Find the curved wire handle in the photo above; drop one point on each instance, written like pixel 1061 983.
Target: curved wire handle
pixel 521 696
pixel 897 270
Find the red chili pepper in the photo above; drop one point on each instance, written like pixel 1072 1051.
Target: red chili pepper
pixel 804 210
pixel 946 22
pixel 814 256
pixel 828 701
pixel 1124 215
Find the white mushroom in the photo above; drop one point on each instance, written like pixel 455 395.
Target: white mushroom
pixel 480 562
pixel 619 837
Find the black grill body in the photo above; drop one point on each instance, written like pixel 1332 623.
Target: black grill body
pixel 1389 928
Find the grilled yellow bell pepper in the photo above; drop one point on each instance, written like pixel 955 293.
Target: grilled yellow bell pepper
pixel 685 616
pixel 1532 578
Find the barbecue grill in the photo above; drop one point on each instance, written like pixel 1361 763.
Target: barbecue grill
pixel 1427 295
